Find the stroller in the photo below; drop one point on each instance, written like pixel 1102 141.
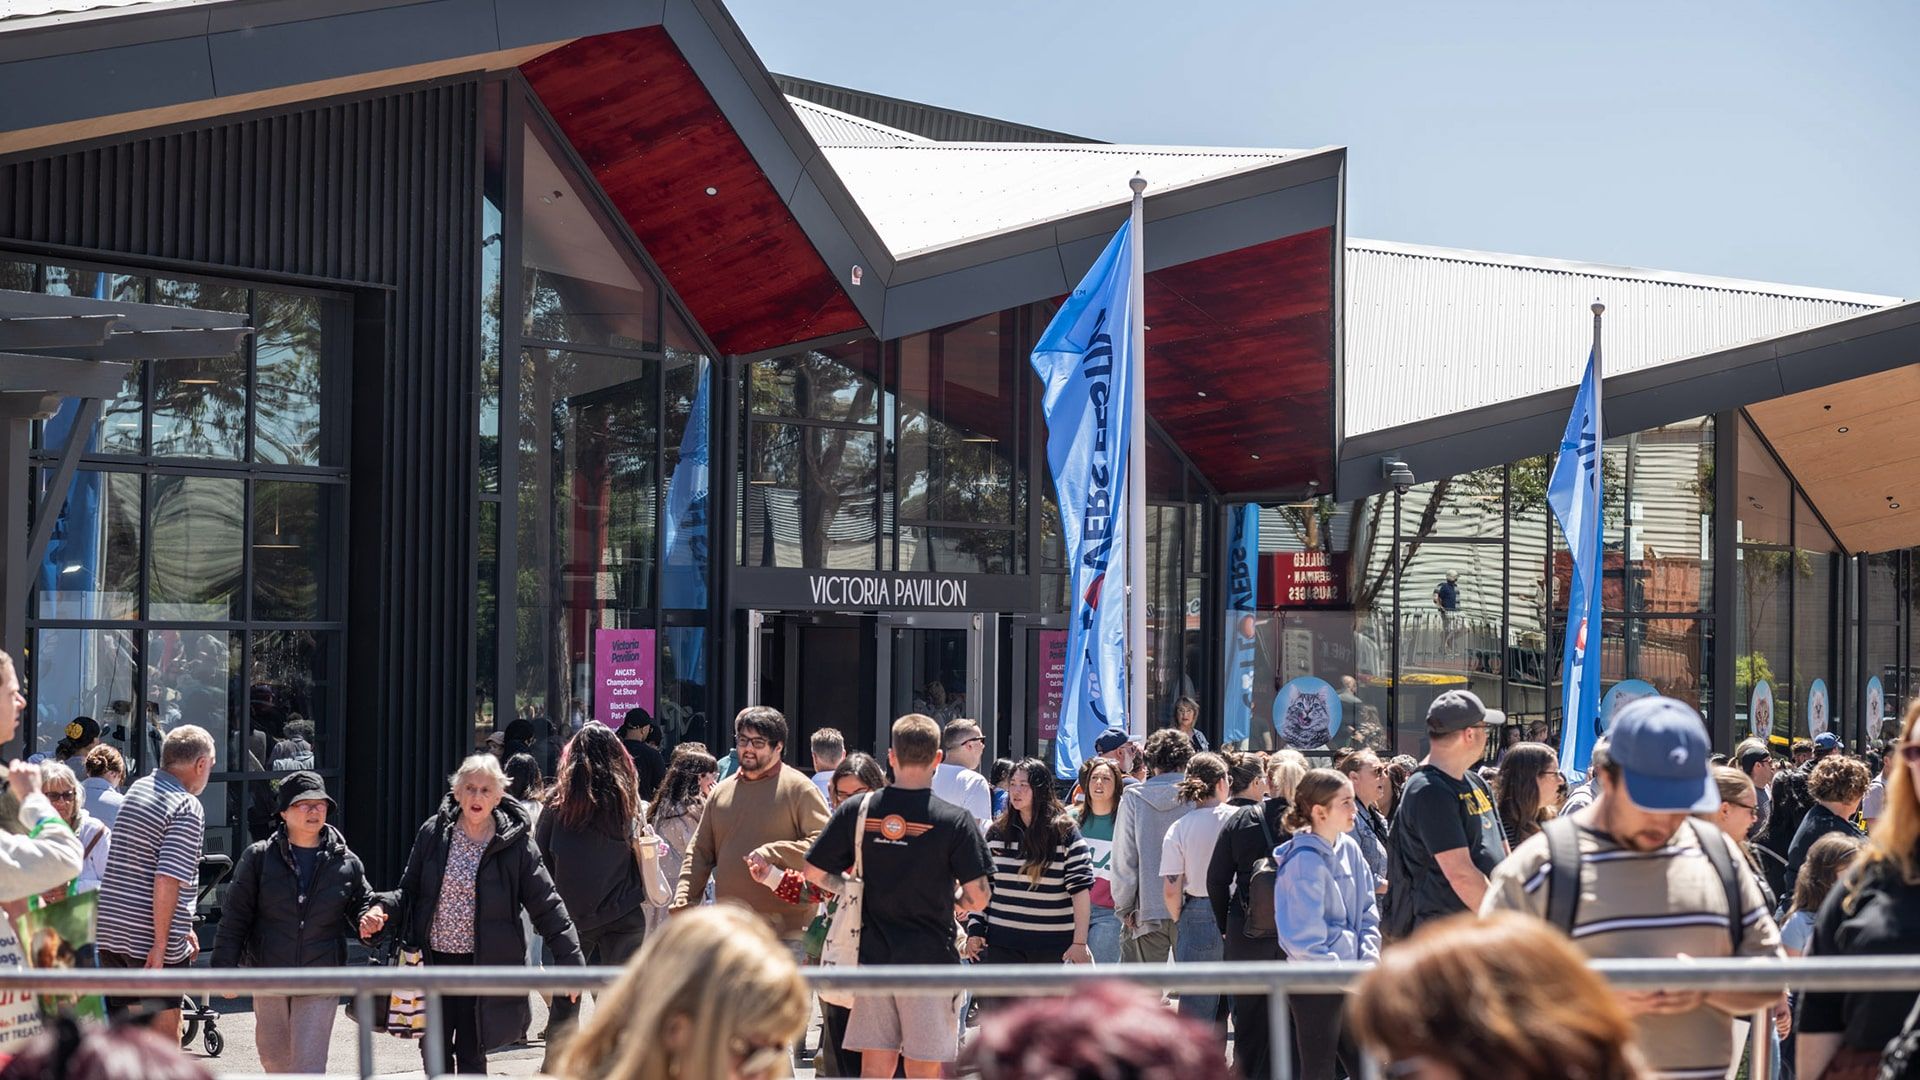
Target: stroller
pixel 195 1016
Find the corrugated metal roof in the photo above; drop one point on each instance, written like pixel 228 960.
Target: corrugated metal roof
pixel 928 121
pixel 831 127
pixel 928 195
pixel 1436 331
pixel 33 9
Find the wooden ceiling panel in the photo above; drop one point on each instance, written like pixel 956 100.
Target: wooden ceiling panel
pixel 1240 363
pixel 656 142
pixel 1855 449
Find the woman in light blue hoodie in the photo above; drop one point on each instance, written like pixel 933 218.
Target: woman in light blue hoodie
pixel 1324 910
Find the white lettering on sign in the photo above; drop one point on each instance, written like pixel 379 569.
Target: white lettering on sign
pixel 884 591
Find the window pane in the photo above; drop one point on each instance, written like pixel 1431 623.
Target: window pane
pixel 683 524
pixel 1670 546
pixel 291 526
pixel 85 673
pixel 955 551
pixel 92 567
pixel 119 431
pixel 200 406
pixel 1763 496
pixel 17 276
pixel 959 423
pixel 197 548
pixel 289 700
pixel 1672 654
pixel 580 286
pixel 839 383
pixel 606 499
pixel 224 802
pixel 682 702
pixel 486 618
pixel 1761 628
pixel 193 677
pixel 288 425
pixel 492 277
pixel 811 497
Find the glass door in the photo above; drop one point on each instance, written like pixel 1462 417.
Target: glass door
pixel 941 665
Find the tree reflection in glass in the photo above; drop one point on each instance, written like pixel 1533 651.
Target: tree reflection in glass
pixel 200 405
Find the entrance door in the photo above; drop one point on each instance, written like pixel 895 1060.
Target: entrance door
pixel 942 665
pixel 817 669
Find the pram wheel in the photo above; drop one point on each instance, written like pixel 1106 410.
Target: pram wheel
pixel 189 1027
pixel 213 1041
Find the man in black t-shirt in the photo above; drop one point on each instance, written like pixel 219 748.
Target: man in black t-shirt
pixel 933 864
pixel 1446 836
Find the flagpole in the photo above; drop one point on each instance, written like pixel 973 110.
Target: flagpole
pixel 1137 475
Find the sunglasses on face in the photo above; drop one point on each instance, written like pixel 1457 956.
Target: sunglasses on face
pixel 59 796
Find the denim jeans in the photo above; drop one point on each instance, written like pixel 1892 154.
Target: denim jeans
pixel 1197 939
pixel 1103 935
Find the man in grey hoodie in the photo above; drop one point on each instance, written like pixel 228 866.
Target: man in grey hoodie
pixel 1147 811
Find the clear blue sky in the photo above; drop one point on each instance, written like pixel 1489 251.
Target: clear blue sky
pixel 1769 140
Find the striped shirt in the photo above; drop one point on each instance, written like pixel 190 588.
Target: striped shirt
pixel 1033 915
pixel 1659 903
pixel 158 832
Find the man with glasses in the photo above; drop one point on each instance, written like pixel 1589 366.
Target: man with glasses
pixel 958 778
pixel 764 809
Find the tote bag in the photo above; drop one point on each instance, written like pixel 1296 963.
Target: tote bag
pixel 407 1009
pixel 842 948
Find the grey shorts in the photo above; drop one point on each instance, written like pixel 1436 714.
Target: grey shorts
pixel 917 1027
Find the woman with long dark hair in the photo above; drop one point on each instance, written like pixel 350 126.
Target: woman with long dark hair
pixel 674 814
pixel 1526 791
pixel 1041 876
pixel 1101 779
pixel 586 837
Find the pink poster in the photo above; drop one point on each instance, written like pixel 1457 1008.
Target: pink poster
pixel 622 674
pixel 1053 680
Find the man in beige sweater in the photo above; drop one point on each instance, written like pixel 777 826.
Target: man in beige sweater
pixel 766 808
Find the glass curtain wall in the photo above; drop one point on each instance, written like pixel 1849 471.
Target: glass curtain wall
pixel 1460 583
pixel 193 576
pixel 593 574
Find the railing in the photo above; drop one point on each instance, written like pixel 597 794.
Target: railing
pixel 1277 981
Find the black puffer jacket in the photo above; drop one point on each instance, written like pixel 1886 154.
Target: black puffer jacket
pixel 510 878
pixel 266 922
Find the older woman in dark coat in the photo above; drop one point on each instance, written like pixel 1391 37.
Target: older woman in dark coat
pixel 473 869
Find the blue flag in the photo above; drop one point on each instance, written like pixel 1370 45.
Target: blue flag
pixel 1083 359
pixel 1574 493
pixel 683 577
pixel 1242 645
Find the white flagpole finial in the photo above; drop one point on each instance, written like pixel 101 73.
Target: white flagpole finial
pixel 1138 183
pixel 1599 309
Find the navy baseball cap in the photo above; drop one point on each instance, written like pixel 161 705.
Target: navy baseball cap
pixel 1110 740
pixel 1661 748
pixel 1826 740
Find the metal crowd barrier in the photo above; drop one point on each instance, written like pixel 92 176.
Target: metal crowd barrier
pixel 1276 980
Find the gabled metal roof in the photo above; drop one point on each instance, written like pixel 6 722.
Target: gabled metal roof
pixel 831 127
pixel 1435 332
pixel 925 196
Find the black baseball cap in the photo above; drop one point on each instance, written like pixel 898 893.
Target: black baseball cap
pixel 1111 739
pixel 1458 710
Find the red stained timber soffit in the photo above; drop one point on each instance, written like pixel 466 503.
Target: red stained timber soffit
pixel 1240 363
pixel 656 142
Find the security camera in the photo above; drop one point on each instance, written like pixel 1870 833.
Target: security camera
pixel 1397 473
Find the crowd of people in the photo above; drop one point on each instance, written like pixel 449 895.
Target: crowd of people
pixel 1477 882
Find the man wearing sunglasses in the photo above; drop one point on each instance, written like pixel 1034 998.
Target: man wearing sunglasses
pixel 765 809
pixel 958 778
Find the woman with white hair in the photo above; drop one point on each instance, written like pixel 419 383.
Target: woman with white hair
pixel 473 869
pixel 69 800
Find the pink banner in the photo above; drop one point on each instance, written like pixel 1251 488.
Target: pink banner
pixel 622 674
pixel 1053 680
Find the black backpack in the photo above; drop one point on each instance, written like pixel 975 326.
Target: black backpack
pixel 1257 922
pixel 1901 1059
pixel 1563 874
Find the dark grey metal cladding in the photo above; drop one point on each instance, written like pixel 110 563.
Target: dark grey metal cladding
pixel 1637 400
pixel 122 60
pixel 377 195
